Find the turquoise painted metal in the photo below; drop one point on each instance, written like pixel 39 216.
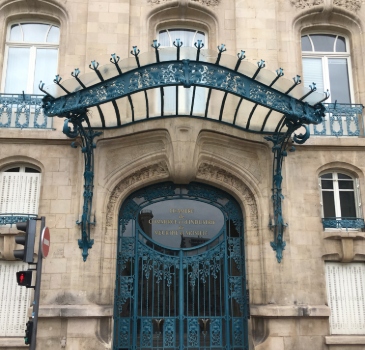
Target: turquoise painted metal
pixel 343 223
pixel 87 147
pixel 180 298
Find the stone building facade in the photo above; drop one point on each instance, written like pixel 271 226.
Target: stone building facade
pixel 291 303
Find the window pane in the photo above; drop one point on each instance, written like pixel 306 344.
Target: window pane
pixel 53 35
pixel 341 44
pixel 327 184
pixel 35 32
pixel 346 185
pixel 328 204
pixel 31 170
pixel 45 67
pixel 185 35
pixel 347 200
pixel 163 38
pixel 327 176
pixel 15 33
pixel 306 43
pixel 13 170
pixel 17 70
pixel 313 72
pixel 339 80
pixel 323 42
pixel 343 176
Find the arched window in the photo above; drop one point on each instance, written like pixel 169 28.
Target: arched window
pixel 340 201
pixel 188 37
pixel 326 61
pixel 19 193
pixel 31 55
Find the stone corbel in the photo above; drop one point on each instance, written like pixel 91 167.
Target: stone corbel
pixel 348 253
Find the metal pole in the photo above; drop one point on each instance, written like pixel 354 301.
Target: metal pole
pixel 37 289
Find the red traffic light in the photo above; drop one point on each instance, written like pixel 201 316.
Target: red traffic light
pixel 24 278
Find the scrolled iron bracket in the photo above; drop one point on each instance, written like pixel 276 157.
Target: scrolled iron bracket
pixel 87 136
pixel 281 145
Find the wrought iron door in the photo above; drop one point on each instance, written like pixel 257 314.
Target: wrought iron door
pixel 180 271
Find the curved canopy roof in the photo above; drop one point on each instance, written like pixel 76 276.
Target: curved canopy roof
pixel 185 81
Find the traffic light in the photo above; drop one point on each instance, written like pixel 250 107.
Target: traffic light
pixel 24 278
pixel 28 332
pixel 26 254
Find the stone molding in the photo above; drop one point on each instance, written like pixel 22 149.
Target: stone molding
pixel 203 2
pixel 217 174
pixel 290 310
pixel 350 5
pixel 304 4
pixel 71 311
pixel 345 340
pixel 154 171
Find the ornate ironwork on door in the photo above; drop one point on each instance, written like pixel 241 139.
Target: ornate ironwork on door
pixel 180 271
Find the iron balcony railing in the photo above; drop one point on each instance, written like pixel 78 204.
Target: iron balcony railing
pixel 342 119
pixel 343 223
pixel 14 218
pixel 23 111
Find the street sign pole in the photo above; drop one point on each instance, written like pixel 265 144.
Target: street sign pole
pixel 37 289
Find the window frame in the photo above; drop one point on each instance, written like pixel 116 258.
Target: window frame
pixel 181 27
pixel 325 55
pixel 336 191
pixel 33 46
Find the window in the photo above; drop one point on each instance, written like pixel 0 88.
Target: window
pixel 346 297
pixel 188 37
pixel 326 62
pixel 14 300
pixel 19 192
pixel 340 201
pixel 31 56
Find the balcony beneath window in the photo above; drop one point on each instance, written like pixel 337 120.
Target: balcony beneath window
pixel 343 223
pixel 13 218
pixel 23 111
pixel 341 120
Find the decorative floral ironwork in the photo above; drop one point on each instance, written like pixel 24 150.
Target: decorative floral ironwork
pixel 169 332
pixel 343 223
pixel 193 332
pixel 147 332
pixel 11 219
pixel 87 147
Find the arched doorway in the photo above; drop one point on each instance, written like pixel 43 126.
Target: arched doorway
pixel 180 280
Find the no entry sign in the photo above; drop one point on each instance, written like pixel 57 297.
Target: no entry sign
pixel 46 242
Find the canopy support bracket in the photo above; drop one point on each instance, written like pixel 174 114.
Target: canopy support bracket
pixel 87 145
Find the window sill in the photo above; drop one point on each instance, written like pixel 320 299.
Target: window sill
pixel 12 342
pixel 345 340
pixel 343 233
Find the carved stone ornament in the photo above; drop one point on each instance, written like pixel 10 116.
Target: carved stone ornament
pixel 351 5
pixel 303 4
pixel 159 170
pixel 204 2
pixel 215 173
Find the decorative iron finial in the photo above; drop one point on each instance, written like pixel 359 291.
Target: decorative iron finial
pixel 155 44
pixel 297 80
pixel 178 43
pixel 241 55
pixel 75 73
pixel 261 64
pixel 94 65
pixel 199 44
pixel 114 59
pixel 313 87
pixel 57 79
pixel 280 72
pixel 135 52
pixel 222 48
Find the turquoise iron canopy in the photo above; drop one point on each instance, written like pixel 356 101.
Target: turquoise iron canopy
pixel 179 81
pixel 185 81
